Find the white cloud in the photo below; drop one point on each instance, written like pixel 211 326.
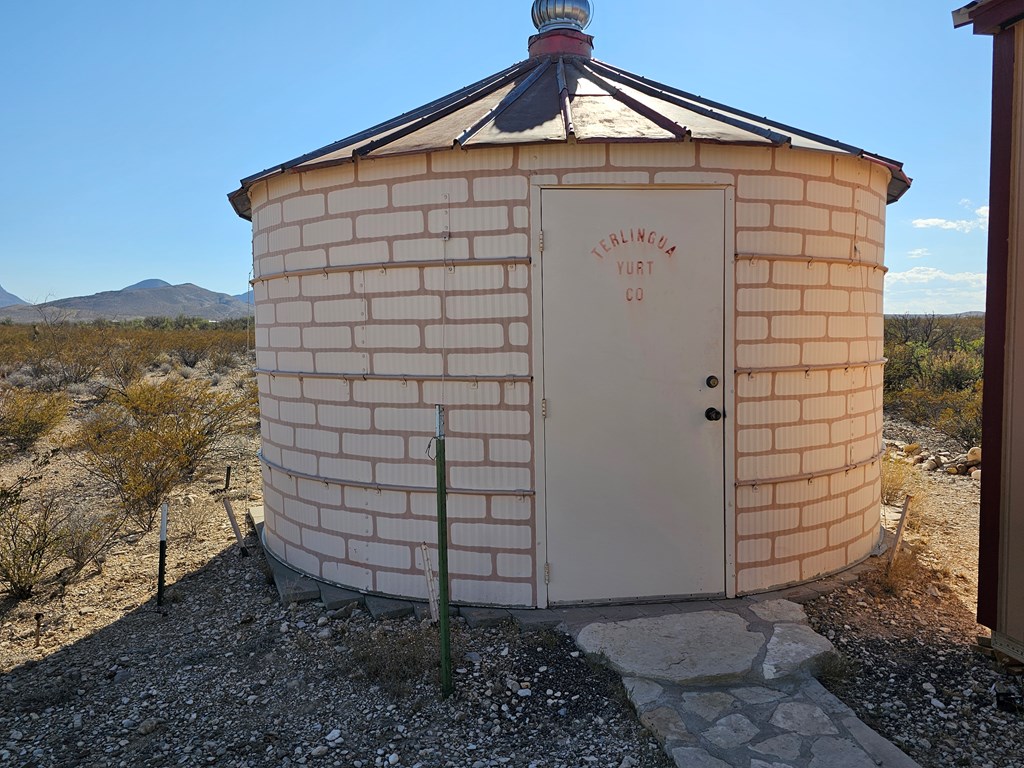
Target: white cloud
pixel 927 290
pixel 918 253
pixel 980 221
pixel 931 275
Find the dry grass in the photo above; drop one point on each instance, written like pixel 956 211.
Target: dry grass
pixel 398 658
pixel 900 480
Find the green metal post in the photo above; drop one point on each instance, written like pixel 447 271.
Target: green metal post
pixel 442 560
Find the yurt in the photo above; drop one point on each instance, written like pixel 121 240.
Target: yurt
pixel 655 323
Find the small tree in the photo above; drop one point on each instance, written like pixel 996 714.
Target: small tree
pixel 190 346
pixel 30 536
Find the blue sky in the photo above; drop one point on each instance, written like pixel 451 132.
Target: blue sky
pixel 124 124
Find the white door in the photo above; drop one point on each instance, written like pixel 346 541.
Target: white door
pixel 632 286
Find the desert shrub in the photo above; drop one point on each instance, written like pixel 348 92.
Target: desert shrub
pixel 189 517
pixel 25 416
pixel 189 346
pixel 903 367
pixel 954 370
pixel 222 360
pixel 153 436
pixel 935 371
pixel 86 535
pixel 30 537
pixel 960 417
pixel 127 358
pixel 62 352
pixel 14 342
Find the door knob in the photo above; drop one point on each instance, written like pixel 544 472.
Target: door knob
pixel 713 414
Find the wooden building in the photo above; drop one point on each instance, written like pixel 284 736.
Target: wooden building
pixel 1000 565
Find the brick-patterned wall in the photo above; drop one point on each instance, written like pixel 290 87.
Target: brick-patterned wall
pixel 809 328
pixel 446 315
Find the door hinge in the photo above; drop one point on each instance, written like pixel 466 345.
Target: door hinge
pixel 541 243
pixel 547 573
pixel 544 408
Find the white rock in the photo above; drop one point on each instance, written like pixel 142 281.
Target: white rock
pixel 334 735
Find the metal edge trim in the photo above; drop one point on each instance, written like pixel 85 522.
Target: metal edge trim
pixel 811 476
pixel 809 260
pixel 386 265
pixel 518 492
pixel 808 368
pixel 349 376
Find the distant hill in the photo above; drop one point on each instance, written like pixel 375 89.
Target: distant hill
pixel 137 301
pixel 245 298
pixel 9 299
pixel 151 283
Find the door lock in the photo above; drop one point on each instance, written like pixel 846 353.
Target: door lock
pixel 713 414
pixel 711 381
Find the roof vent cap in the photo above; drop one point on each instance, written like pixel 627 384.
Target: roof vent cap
pixel 562 14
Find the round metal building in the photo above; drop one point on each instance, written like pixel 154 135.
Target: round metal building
pixel 655 322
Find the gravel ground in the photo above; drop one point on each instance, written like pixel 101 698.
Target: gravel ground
pixel 907 637
pixel 913 676
pixel 229 677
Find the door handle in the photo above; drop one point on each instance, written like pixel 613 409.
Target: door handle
pixel 713 414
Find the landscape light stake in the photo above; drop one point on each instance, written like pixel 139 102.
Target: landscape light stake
pixel 162 567
pixel 442 558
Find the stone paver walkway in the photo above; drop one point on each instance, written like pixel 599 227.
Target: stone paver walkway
pixel 731 683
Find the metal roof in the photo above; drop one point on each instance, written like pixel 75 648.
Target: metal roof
pixel 562 99
pixel 989 17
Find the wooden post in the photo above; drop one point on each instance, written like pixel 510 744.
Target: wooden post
pixel 428 574
pixel 899 530
pixel 234 526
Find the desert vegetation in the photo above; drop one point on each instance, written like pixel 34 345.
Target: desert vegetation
pixel 935 372
pixel 135 409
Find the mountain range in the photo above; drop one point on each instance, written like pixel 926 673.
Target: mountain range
pixel 9 299
pixel 148 298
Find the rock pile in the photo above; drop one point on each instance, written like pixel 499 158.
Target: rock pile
pixel 967 464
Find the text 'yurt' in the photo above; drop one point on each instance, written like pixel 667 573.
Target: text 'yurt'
pixel 655 322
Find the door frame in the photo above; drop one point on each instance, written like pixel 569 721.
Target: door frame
pixel 691 181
